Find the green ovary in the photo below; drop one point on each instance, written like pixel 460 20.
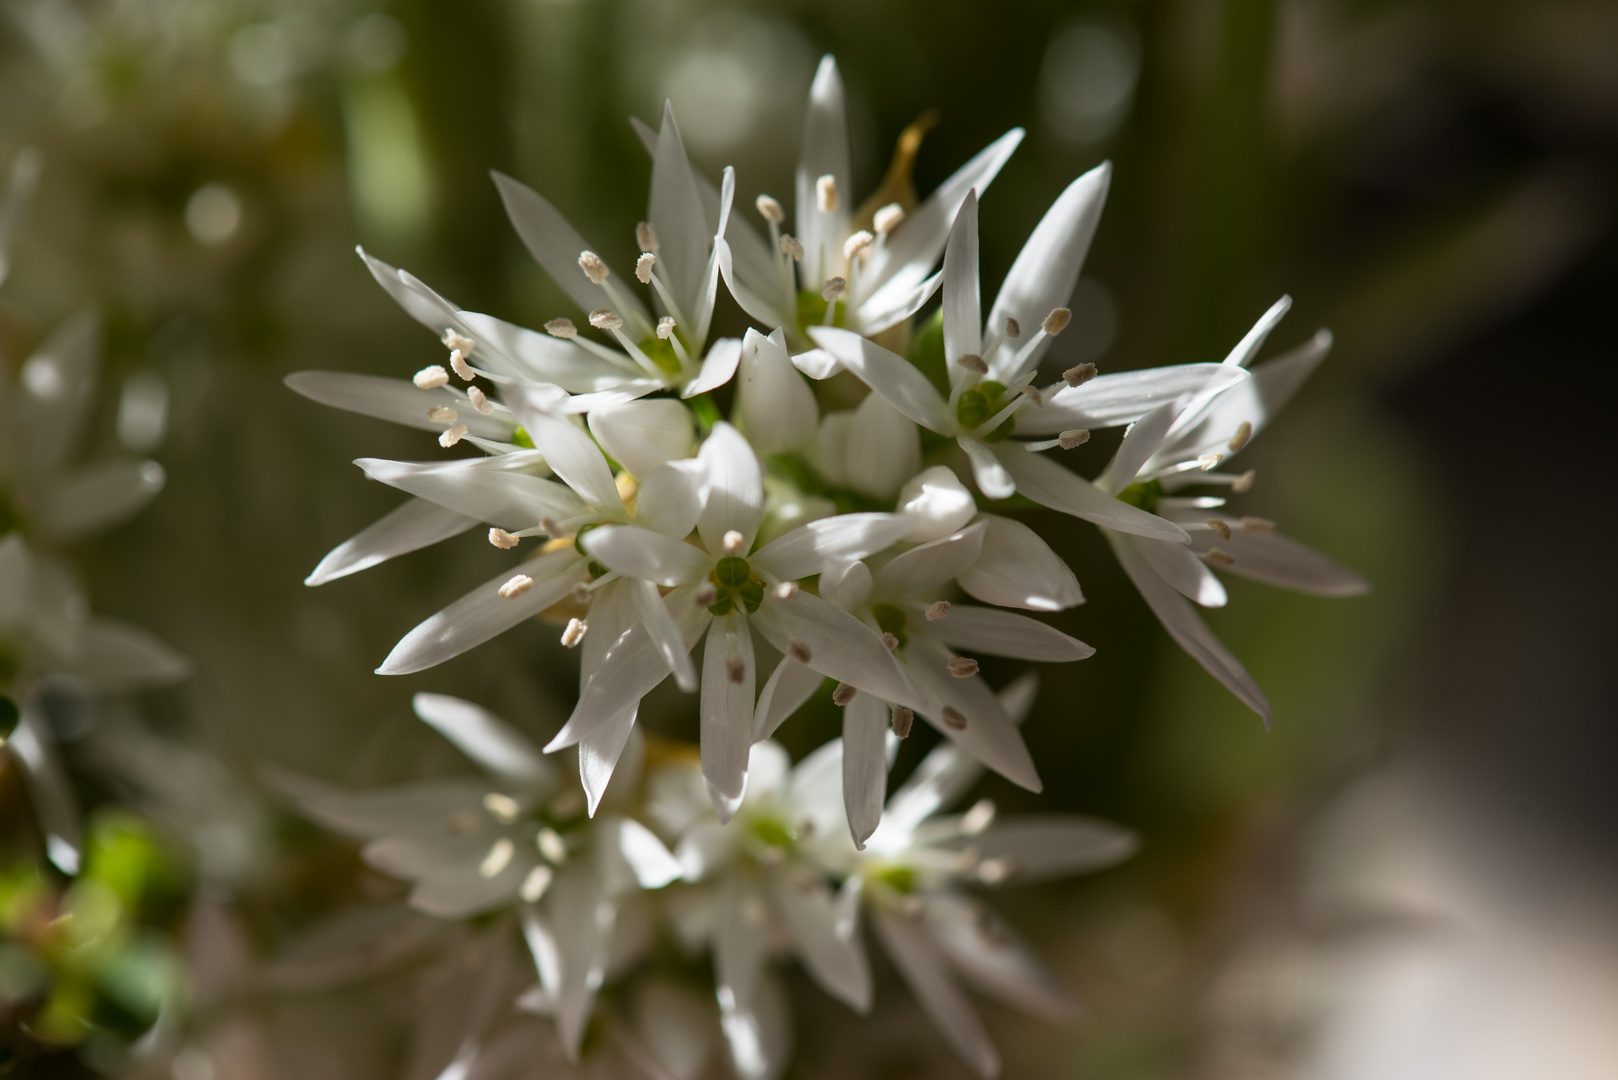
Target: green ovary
pixel 976 406
pixel 1142 496
pixel 661 353
pixel 812 312
pixel 891 620
pixel 737 584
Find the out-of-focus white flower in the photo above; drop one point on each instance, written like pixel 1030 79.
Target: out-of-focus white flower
pixel 1178 445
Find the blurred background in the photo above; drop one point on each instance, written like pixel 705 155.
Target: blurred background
pixel 1412 875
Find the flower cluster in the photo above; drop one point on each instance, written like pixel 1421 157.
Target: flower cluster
pixel 800 541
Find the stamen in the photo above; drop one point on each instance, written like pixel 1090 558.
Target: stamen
pixel 791 247
pixel 503 540
pixel 551 528
pixel 962 667
pixel 1072 437
pixel 457 342
pixel 498 858
pixel 1013 328
pixel 890 641
pixel 1079 375
pixel 732 541
pixel 954 719
pixel 576 629
pixel 581 593
pixel 937 610
pixel 1243 433
pixel 1056 321
pixel 593 266
pixel 786 590
pixel 856 243
pixel 887 219
pixel 706 594
pixel 458 364
pixel 643 267
pixel 843 694
pixel 443 414
pixel 770 210
pixel 452 436
pixel 833 289
pixel 1208 461
pixel 665 327
pixel 646 237
pixel 562 328
pixel 1032 394
pixel 902 720
pixel 980 817
pixel 1244 482
pixel 1219 527
pixel 534 885
pixel 431 377
pixel 514 588
pixel 826 197
pixel 569 803
pixel 480 400
pixel 1219 557
pixel 1256 525
pixel 551 845
pixel 996 871
pixel 606 319
pixel 735 669
pixel 503 808
pixel 798 651
pixel 972 362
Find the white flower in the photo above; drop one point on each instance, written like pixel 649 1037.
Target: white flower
pixel 1174 447
pixel 835 271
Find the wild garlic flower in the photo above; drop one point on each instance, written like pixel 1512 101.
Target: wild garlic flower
pixel 1179 445
pixel 865 267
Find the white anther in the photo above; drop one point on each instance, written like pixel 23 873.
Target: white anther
pixel 455 341
pixel 665 327
pixel 503 540
pixel 826 197
pixel 452 436
pixel 503 808
pixel 1244 482
pixel 973 362
pixel 887 219
pixel 576 629
pixel 1072 437
pixel 569 803
pixel 770 210
pixel 442 414
pixel 954 719
pixel 1032 394
pixel 1013 328
pixel 901 719
pixel 732 541
pixel 514 588
pixel 534 885
pixel 1244 431
pixel 550 528
pixel 646 237
pixel 996 871
pixel 431 377
pixel 480 400
pixel 1079 374
pixel 791 247
pixel 458 364
pixel 706 594
pixel 980 817
pixel 1257 525
pixel 1208 461
pixel 581 593
pixel 856 243
pixel 786 590
pixel 735 669
pixel 498 858
pixel 605 319
pixel 643 267
pixel 462 822
pixel 843 694
pixel 593 266
pixel 798 650
pixel 1056 321
pixel 962 667
pixel 551 845
pixel 833 289
pixel 562 328
pixel 1219 557
pixel 890 641
pixel 937 610
pixel 1219 527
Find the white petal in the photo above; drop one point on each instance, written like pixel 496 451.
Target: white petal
pixel 917 957
pixel 582 920
pixel 1004 633
pixel 416 524
pixel 727 712
pixel 555 245
pixel 1188 574
pixel 1183 625
pixel 846 583
pixel 642 553
pixel 774 406
pixel 1018 569
pixel 1122 398
pixel 1040 847
pixel 599 751
pixel 56 383
pixel 419 302
pixel 488 489
pixel 483 613
pixel 670 499
pixel 571 454
pixel 989 734
pixel 883 449
pixel 962 306
pixel 119 657
pixel 486 739
pixel 1279 560
pixel 534 355
pixel 753 1015
pixel 1253 340
pixel 836 963
pixel 992 958
pixel 654 615
pixel 675 1023
pixel 937 503
pixel 717 367
pixel 82 501
pixel 55 805
pixel 840 646
pixel 652 864
pixel 805 550
pixel 1140 442
pixel 824 151
pixel 889 308
pixel 930 565
pixel 735 489
pixel 888 374
pixel 642 435
pixel 395 400
pixel 1049 484
pixel 817 364
pixel 788 687
pixel 991 477
pixel 675 210
pixel 705 849
pixel 1048 266
pixel 865 765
